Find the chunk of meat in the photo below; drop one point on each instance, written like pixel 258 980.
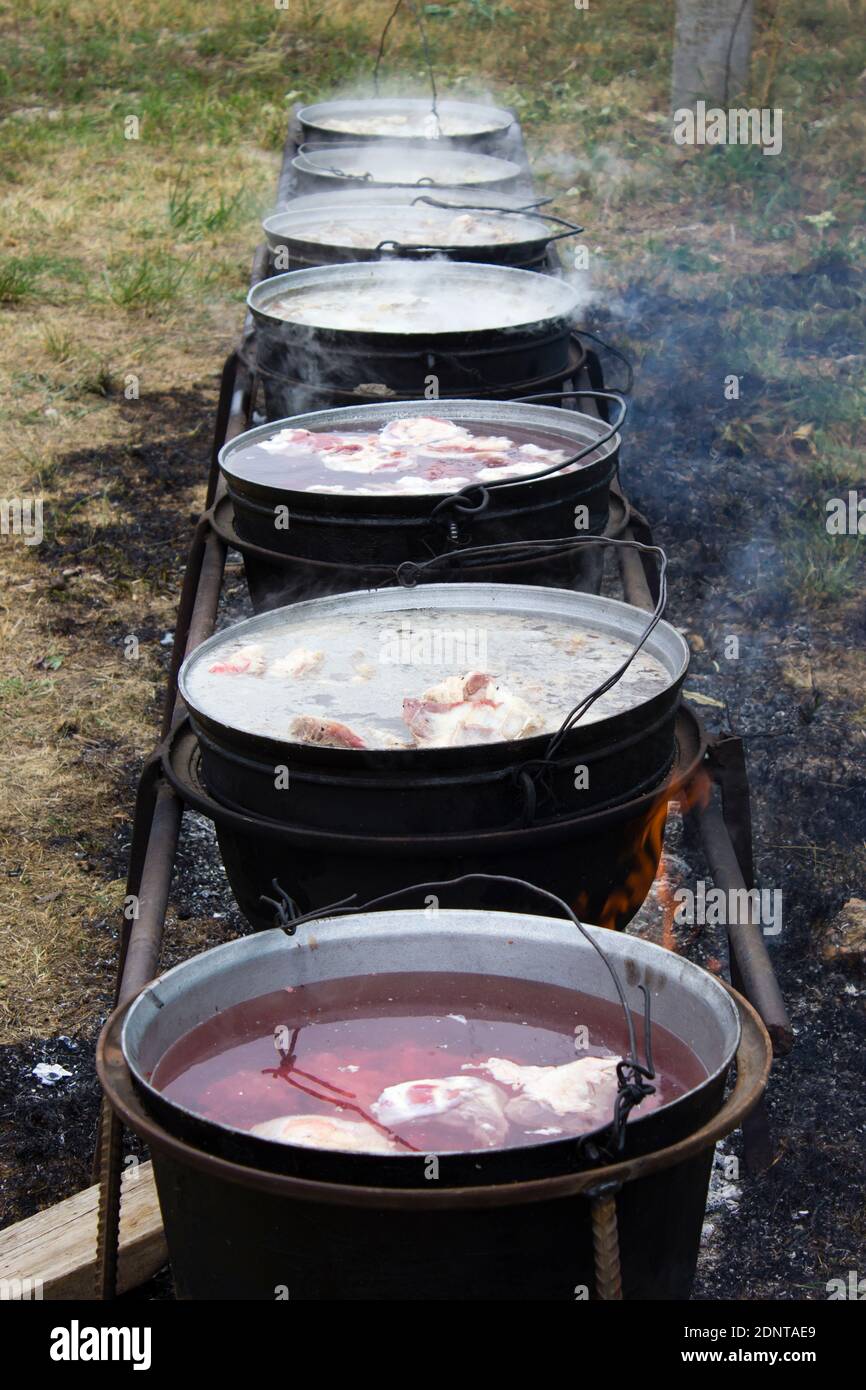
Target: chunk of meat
pixel 363 668
pixel 246 661
pixel 424 430
pixel 461 1102
pixel 285 441
pixel 324 733
pixel 583 1089
pixel 300 661
pixel 462 710
pixel 327 1132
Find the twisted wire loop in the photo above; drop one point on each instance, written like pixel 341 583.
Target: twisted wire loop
pixel 108 1207
pixel 286 910
pixel 605 1247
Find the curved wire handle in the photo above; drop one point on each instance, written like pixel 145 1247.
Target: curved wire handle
pixel 530 209
pixel 428 62
pixel 482 490
pixel 407 575
pixel 632 1075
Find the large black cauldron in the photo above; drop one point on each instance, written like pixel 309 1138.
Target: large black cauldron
pixel 525 337
pixel 246 1218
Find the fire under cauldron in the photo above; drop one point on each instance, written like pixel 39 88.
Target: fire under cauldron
pixel 469 329
pixel 297 544
pixel 245 1216
pixel 375 820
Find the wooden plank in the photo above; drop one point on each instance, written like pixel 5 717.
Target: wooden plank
pixel 55 1250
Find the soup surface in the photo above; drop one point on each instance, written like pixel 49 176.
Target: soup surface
pixel 414 677
pixel 425 303
pixel 396 166
pixel 412 227
pixel 415 454
pixel 426 125
pixel 416 1062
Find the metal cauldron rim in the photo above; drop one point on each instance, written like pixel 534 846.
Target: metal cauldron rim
pixel 752 1059
pixel 572 425
pixel 309 116
pixel 605 614
pixel 452 277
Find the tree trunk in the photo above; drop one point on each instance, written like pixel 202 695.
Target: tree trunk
pixel 712 45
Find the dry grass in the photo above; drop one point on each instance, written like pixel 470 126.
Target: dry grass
pixel 130 257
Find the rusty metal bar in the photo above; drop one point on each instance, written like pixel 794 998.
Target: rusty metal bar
pixel 748 947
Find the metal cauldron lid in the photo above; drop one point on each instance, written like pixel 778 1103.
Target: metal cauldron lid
pixel 409 167
pixel 533 299
pixel 475 119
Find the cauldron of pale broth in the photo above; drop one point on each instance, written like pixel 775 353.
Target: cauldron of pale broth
pixel 415 1062
pixel 298 680
pixel 424 303
pixel 365 230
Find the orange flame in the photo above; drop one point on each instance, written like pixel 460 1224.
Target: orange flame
pixel 646 862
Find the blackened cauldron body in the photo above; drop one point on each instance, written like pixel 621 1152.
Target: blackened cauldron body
pixel 379 819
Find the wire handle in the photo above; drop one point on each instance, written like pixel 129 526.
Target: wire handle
pixel 407 575
pixel 529 209
pixel 428 62
pixel 632 1075
pixel 462 501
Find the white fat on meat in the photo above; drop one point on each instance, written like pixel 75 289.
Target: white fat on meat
pixel 286 440
pixel 300 661
pixel 324 733
pixel 409 483
pixel 327 1132
pixel 468 709
pixel 583 1089
pixel 246 661
pixel 423 431
pixel 461 1102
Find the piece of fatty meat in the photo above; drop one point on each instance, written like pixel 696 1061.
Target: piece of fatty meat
pixel 461 1102
pixel 327 1132
pixel 473 708
pixel 300 661
pixel 246 661
pixel 324 733
pixel 583 1089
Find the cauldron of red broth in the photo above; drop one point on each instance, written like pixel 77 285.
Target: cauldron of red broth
pixel 405 1034
pixel 416 1062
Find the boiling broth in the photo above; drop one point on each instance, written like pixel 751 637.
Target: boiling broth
pixel 303 461
pixel 425 303
pixel 345 1042
pixel 365 664
pixel 412 227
